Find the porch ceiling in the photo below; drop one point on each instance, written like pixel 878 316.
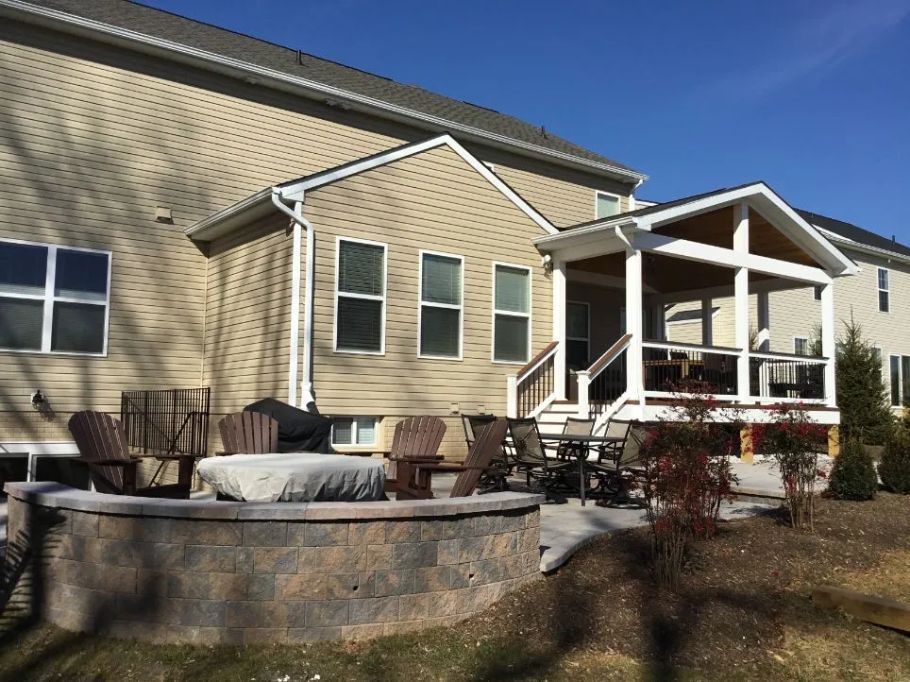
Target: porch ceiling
pixel 668 275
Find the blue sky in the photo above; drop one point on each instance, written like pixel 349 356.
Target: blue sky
pixel 811 96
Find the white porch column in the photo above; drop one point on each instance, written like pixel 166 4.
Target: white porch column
pixel 707 322
pixel 559 327
pixel 741 298
pixel 634 326
pixel 764 322
pixel 829 349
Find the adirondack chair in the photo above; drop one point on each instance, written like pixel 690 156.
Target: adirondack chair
pixel 486 446
pixel 112 469
pixel 249 433
pixel 416 439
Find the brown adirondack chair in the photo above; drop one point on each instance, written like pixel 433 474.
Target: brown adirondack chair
pixel 416 439
pixel 112 469
pixel 249 433
pixel 486 446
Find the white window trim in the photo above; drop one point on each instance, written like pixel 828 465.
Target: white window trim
pixel 587 339
pixel 879 289
pixel 421 303
pixel 355 432
pixel 366 297
pixel 49 299
pixel 801 338
pixel 598 193
pixel 900 380
pixel 510 313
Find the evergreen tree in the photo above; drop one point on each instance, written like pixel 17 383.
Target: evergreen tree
pixel 861 394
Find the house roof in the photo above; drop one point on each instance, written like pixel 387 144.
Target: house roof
pixel 261 203
pixel 369 90
pixel 852 233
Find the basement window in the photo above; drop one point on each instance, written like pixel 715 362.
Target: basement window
pixel 348 431
pixel 53 299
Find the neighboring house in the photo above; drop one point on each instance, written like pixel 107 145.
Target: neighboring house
pixel 877 298
pixel 186 206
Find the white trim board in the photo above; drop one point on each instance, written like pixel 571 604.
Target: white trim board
pixel 258 205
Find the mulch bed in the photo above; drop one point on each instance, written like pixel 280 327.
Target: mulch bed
pixel 739 593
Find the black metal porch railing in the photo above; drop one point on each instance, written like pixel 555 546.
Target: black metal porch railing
pixel 536 386
pixel 668 369
pixel 787 378
pixel 609 384
pixel 166 421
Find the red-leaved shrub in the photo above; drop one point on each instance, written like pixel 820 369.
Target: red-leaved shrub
pixel 687 475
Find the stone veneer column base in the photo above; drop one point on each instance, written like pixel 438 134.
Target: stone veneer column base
pixel 209 572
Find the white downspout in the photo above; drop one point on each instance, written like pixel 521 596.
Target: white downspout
pixel 306 383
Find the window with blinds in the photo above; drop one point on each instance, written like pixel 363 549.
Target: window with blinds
pixel 360 297
pixel 53 299
pixel 441 305
pixel 511 313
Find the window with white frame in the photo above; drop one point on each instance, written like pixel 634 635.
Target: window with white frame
pixel 53 299
pixel 354 431
pixel 801 345
pixel 441 295
pixel 578 342
pixel 360 296
pixel 605 205
pixel 900 380
pixel 884 291
pixel 511 313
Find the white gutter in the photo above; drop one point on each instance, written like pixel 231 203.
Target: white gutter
pixel 306 385
pixel 252 73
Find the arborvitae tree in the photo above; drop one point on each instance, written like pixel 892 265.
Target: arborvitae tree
pixel 853 476
pixel 861 395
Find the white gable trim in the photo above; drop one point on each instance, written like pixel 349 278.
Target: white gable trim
pixel 259 204
pixel 769 204
pixel 295 190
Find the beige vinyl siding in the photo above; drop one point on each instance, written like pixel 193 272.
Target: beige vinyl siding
pixel 93 138
pixel 432 201
pixel 248 316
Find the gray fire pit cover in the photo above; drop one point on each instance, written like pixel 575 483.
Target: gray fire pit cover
pixel 295 477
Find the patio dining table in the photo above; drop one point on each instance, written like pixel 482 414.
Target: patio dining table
pixel 579 447
pixel 295 477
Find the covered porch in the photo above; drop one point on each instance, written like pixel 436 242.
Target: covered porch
pixel 647 300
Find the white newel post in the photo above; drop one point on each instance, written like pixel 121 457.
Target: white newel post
pixel 559 328
pixel 512 396
pixel 829 349
pixel 634 379
pixel 741 298
pixel 583 377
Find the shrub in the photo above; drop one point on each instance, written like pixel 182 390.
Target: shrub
pixel 793 439
pixel 853 475
pixel 894 469
pixel 687 475
pixel 861 395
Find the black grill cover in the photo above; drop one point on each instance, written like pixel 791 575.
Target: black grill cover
pixel 298 430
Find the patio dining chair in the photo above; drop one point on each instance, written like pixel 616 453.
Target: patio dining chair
pixel 248 433
pixel 112 469
pixel 574 426
pixel 622 465
pixel 616 428
pixel 530 454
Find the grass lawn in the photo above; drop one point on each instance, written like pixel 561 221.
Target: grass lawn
pixel 743 612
